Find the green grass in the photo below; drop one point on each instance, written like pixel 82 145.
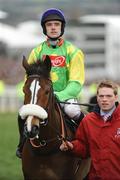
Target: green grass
pixel 10 165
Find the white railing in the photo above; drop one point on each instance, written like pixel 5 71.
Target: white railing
pixel 9 100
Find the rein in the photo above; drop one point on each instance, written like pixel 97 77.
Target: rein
pixel 62 135
pixel 81 104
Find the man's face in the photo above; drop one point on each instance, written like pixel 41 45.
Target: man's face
pixel 53 28
pixel 106 98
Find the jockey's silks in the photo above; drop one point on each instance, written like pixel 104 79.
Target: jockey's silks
pixel 67 71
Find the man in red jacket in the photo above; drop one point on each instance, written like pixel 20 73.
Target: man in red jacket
pixel 98 135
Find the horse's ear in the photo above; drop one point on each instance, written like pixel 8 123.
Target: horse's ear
pixel 47 63
pixel 25 63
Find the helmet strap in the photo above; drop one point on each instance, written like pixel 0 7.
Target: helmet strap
pixel 54 40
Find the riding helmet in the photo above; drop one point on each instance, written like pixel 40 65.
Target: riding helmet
pixel 53 14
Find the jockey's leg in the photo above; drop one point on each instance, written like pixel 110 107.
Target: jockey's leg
pixel 22 138
pixel 78 118
pixel 74 111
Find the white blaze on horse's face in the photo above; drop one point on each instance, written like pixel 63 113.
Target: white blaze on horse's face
pixel 34 90
pixel 29 120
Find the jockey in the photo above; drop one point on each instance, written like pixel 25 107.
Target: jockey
pixel 67 73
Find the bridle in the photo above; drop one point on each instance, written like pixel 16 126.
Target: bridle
pixel 51 99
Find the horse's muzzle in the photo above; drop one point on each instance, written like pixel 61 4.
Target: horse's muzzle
pixel 33 133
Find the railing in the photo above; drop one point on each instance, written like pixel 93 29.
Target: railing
pixel 9 100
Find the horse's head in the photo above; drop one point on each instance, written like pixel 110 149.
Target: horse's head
pixel 38 93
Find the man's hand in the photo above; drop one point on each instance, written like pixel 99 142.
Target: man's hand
pixel 66 146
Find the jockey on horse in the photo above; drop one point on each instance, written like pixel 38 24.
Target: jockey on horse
pixel 67 73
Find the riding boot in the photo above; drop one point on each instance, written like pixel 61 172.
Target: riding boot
pixel 22 138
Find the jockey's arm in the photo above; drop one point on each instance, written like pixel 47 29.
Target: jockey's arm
pixel 70 92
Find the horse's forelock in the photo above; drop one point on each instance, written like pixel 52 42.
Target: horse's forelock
pixel 38 68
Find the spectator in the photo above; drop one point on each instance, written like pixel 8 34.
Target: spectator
pixel 98 135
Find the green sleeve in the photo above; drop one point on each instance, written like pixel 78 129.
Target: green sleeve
pixel 71 91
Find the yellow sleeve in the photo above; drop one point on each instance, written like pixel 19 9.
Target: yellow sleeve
pixel 76 70
pixel 34 55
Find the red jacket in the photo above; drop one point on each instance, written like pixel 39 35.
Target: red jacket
pixel 101 141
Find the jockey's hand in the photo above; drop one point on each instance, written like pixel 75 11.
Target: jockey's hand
pixel 66 146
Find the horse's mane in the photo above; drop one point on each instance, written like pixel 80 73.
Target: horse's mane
pixel 38 68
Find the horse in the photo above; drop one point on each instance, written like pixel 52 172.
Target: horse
pixel 45 128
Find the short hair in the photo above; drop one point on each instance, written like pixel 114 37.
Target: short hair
pixel 108 84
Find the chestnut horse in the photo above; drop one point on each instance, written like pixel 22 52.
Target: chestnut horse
pixel 45 128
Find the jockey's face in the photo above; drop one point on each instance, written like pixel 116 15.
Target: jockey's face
pixel 53 28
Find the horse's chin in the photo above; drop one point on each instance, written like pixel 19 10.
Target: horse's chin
pixel 32 110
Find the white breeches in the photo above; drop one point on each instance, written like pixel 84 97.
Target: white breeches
pixel 72 110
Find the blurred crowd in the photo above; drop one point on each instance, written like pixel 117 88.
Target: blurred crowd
pixel 11 71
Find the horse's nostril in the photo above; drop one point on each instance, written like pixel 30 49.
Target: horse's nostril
pixel 34 132
pixel 35 129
